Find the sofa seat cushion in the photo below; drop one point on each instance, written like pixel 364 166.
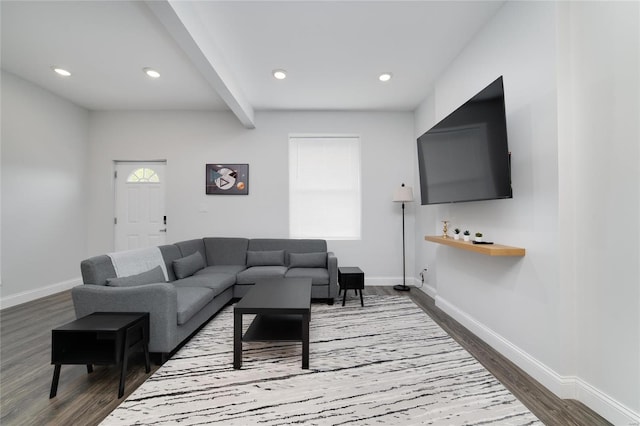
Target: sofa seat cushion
pixel 319 276
pixel 191 300
pixel 224 269
pixel 250 275
pixel 308 260
pixel 215 281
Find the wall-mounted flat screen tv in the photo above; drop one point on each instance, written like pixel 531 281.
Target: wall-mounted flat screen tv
pixel 465 157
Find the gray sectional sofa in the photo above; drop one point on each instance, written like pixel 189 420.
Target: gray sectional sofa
pixel 203 275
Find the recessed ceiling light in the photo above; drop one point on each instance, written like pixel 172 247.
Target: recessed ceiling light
pixel 385 76
pixel 151 72
pixel 280 74
pixel 61 71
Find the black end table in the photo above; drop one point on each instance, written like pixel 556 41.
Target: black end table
pixel 351 278
pixel 101 338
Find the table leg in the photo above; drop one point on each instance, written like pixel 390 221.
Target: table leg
pixel 344 296
pixel 305 340
pixel 145 348
pixel 237 340
pixel 89 368
pixel 54 383
pixel 361 300
pixel 147 363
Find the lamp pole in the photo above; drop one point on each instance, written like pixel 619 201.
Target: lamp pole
pixel 402 195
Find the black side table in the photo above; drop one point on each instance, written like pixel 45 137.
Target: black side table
pixel 351 278
pixel 101 338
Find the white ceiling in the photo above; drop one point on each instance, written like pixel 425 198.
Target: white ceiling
pixel 105 45
pixel 224 51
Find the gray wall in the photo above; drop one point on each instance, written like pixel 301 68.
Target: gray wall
pixel 599 192
pixel 189 140
pixel 44 182
pixel 524 290
pixel 568 312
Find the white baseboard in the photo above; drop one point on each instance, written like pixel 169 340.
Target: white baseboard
pixel 603 404
pixel 568 387
pixel 385 281
pixel 411 281
pixel 428 289
pixel 28 296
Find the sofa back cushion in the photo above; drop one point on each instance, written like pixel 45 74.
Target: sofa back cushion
pixel 289 245
pixel 97 269
pixel 188 265
pixel 191 246
pixel 308 260
pixel 151 276
pixel 170 253
pixel 154 275
pixel 265 258
pixel 226 251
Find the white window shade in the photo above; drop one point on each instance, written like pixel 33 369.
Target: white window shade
pixel 324 187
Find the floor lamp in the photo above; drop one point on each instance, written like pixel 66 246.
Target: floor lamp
pixel 404 194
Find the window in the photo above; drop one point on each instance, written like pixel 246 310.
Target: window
pixel 143 175
pixel 324 187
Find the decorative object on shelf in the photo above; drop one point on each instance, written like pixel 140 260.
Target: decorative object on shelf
pixel 404 194
pixel 465 236
pixel 445 229
pixel 456 234
pixel 479 236
pixel 227 179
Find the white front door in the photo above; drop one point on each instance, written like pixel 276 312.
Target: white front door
pixel 140 219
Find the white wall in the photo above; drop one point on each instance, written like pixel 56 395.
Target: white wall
pixel 189 140
pixel 44 140
pixel 427 220
pixel 599 105
pixel 568 311
pixel 517 298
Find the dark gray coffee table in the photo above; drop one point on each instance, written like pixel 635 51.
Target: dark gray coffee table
pixel 283 311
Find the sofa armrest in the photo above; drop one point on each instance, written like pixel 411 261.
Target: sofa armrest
pixel 160 300
pixel 332 266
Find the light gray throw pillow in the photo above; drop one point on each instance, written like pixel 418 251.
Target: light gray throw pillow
pixel 307 260
pixel 151 276
pixel 265 258
pixel 188 265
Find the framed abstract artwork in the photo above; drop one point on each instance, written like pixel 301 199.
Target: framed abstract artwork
pixel 227 179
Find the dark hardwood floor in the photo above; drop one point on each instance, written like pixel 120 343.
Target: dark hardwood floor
pixel 86 399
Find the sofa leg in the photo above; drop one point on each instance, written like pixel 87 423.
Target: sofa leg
pixel 160 358
pixel 330 301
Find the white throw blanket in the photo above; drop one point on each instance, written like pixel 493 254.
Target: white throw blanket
pixel 131 262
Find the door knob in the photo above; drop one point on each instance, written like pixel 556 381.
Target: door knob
pixel 163 230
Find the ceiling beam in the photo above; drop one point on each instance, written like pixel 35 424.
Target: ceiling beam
pixel 185 26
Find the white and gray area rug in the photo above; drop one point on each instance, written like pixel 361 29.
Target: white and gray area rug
pixel 385 364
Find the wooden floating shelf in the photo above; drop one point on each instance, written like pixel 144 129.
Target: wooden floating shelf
pixel 486 249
